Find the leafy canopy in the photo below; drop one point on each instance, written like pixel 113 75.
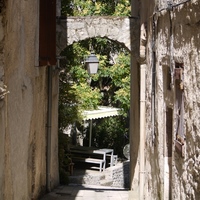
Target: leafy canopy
pixel 109 87
pixel 96 7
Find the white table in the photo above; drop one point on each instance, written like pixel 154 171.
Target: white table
pixel 108 152
pixel 91 156
pixel 105 152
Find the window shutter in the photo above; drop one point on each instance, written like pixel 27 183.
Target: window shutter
pixel 179 105
pixel 169 122
pixel 180 132
pixel 47 33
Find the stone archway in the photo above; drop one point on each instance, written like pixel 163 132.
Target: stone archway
pixel 74 29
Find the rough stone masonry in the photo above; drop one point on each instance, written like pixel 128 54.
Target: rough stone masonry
pixel 74 29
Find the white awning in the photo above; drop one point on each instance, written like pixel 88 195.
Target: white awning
pixel 101 112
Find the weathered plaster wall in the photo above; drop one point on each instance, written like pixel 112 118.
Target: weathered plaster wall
pixel 23 112
pixel 186 46
pixel 181 47
pixel 172 37
pixel 2 107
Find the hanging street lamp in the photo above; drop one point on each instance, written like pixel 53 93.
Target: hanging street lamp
pixel 92 63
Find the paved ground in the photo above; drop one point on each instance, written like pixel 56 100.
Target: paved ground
pixel 86 192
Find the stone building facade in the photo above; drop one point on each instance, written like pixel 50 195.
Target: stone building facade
pixel 24 108
pixel 165 99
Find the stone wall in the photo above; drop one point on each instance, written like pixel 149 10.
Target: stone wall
pixel 2 126
pixel 23 111
pixel 3 89
pixel 172 40
pixel 74 29
pixel 121 175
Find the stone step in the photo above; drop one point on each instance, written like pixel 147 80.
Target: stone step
pixel 116 176
pixel 106 182
pixel 108 174
pixel 87 179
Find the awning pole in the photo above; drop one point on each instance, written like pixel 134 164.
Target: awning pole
pixel 90 137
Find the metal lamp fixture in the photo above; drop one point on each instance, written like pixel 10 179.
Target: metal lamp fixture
pixel 92 63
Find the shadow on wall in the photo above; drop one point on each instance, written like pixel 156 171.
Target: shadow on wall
pixel 61 34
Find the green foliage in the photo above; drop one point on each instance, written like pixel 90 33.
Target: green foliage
pixel 76 94
pixel 96 7
pixel 113 78
pixel 120 75
pixel 109 87
pixel 123 8
pixel 79 91
pixel 111 133
pixel 87 98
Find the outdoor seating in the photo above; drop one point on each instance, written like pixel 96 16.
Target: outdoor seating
pixel 92 155
pixel 100 162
